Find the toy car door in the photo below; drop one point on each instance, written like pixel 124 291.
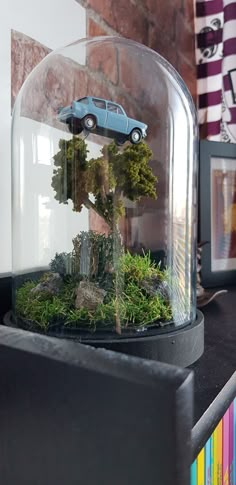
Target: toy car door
pixel 99 110
pixel 116 119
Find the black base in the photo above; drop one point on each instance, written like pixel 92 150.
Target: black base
pixel 181 347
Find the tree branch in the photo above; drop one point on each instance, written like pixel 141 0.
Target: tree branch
pixel 90 205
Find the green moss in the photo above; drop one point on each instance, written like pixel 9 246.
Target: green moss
pixel 137 268
pixel 135 306
pixel 135 309
pixel 41 309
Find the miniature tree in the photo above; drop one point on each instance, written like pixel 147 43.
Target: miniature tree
pixel 108 179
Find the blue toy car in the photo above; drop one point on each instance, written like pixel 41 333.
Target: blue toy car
pixel 102 117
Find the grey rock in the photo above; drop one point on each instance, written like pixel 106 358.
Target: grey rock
pixel 150 285
pixel 154 286
pixel 89 295
pixel 52 285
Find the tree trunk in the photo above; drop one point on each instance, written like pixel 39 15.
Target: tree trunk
pixel 114 227
pixel 90 205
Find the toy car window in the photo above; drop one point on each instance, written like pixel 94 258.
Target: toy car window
pixel 99 103
pixel 114 108
pixel 83 100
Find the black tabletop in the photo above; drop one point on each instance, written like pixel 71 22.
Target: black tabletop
pixel 218 363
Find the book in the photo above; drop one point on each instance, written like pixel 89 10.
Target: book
pixel 201 468
pixel 194 473
pixel 219 452
pixel 231 444
pixel 234 431
pixel 212 460
pixel 216 466
pixel 208 462
pixel 226 448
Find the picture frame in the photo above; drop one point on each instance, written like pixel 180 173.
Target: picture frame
pixel 217 213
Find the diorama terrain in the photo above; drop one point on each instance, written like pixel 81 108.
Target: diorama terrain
pixel 99 285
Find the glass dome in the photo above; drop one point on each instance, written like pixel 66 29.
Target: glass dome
pixel 104 146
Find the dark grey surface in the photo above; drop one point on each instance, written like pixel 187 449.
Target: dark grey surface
pixel 73 415
pixel 218 363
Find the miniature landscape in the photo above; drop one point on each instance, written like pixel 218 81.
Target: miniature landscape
pixel 100 285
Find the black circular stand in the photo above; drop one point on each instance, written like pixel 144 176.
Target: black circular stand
pixel 181 347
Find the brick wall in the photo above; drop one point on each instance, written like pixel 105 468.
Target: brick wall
pixel 166 26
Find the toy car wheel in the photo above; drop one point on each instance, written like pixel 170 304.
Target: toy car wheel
pixel 120 141
pixel 75 127
pixel 135 136
pixel 89 122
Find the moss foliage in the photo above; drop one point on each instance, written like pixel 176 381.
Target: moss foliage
pixel 136 307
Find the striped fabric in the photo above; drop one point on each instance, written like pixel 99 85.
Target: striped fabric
pixel 215 26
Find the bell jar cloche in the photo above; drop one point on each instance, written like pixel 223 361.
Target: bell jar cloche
pixel 104 148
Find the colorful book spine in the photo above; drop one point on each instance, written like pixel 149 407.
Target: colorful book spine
pixel 216 462
pixel 226 448
pixel 234 403
pixel 219 431
pixel 194 473
pixel 212 459
pixel 201 468
pixel 208 462
pixel 216 467
pixel 231 444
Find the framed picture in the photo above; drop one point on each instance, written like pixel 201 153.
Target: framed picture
pixel 217 212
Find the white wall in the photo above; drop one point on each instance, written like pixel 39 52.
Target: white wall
pixel 53 23
pixel 42 226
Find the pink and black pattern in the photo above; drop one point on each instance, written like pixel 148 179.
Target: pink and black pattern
pixel 215 25
pixel 228 126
